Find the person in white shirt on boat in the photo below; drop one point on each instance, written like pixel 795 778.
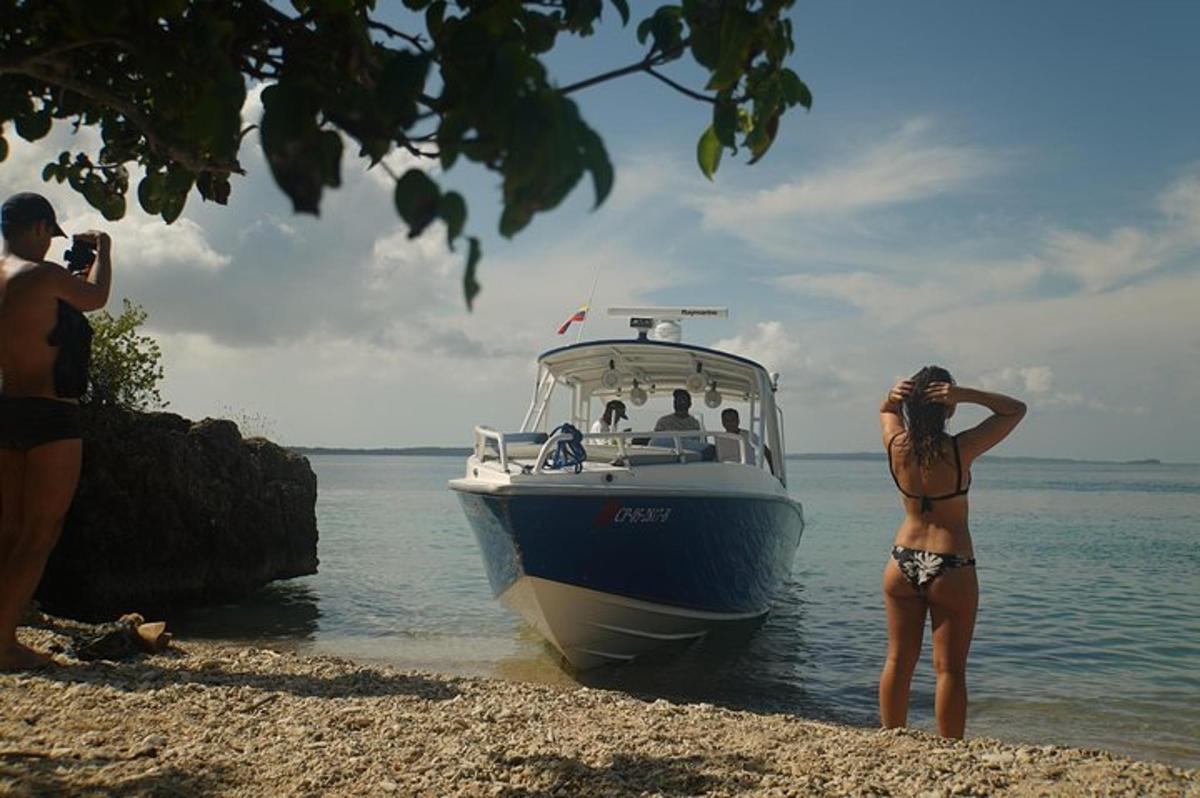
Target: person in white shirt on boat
pixel 613 411
pixel 728 450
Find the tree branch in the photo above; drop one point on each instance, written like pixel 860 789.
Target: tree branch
pixel 190 161
pixel 695 95
pixel 647 64
pixel 34 56
pixel 637 66
pixel 415 41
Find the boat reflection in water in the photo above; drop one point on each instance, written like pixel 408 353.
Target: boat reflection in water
pixel 617 545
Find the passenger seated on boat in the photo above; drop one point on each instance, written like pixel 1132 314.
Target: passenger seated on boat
pixel 680 420
pixel 607 422
pixel 728 450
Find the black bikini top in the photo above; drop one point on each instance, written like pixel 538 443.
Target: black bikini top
pixel 72 334
pixel 927 501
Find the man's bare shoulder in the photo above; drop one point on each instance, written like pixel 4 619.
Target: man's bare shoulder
pixel 33 275
pixel 15 267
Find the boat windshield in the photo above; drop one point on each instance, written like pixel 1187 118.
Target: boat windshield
pixel 643 375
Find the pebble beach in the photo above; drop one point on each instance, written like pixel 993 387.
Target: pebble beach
pixel 206 719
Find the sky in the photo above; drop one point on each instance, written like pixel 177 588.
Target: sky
pixel 1011 191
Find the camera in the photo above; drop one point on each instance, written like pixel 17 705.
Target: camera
pixel 79 256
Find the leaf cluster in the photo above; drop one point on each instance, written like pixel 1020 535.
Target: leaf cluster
pixel 125 366
pixel 164 81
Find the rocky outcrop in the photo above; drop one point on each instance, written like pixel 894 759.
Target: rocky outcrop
pixel 172 513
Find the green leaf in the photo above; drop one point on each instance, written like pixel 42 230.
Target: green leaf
pixel 762 137
pixel 725 123
pixel 435 16
pixel 540 32
pixel 794 90
pixel 737 33
pixel 708 152
pixel 643 29
pixel 416 200
pixel 623 10
pixel 470 284
pixel 599 165
pixel 113 206
pixel 176 185
pixel 213 187
pixel 331 158
pixel 150 192
pixel 400 85
pixel 34 126
pixel 49 171
pixel 453 211
pixel 291 141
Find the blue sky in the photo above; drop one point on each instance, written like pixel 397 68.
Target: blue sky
pixel 1010 190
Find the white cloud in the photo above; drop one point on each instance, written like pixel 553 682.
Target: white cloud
pixel 882 298
pixel 1100 263
pixel 805 371
pixel 906 167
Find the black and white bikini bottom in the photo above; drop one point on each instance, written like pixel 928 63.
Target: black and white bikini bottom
pixel 921 567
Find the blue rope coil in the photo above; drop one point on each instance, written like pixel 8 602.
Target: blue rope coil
pixel 569 452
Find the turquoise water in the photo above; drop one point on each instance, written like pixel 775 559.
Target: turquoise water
pixel 1088 631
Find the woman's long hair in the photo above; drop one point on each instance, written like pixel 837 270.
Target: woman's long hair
pixel 925 420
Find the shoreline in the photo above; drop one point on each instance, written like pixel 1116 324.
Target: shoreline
pixel 464 451
pixel 216 718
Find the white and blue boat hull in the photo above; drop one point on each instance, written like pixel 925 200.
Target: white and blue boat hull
pixel 608 576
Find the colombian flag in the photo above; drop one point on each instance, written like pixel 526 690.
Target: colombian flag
pixel 578 315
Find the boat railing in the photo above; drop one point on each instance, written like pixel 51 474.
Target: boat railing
pixel 483 434
pixel 623 440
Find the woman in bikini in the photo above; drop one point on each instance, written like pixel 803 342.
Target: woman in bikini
pixel 932 567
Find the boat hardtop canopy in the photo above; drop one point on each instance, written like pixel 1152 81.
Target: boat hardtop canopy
pixel 656 366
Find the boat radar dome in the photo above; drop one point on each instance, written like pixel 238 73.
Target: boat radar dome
pixel 668 331
pixel 663 323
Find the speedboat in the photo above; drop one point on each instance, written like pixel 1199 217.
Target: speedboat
pixel 615 544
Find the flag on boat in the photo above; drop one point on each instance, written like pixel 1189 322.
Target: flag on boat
pixel 578 315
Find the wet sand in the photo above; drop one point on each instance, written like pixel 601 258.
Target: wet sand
pixel 204 719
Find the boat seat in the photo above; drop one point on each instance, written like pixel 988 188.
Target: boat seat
pixel 519 444
pixel 638 455
pixel 605 453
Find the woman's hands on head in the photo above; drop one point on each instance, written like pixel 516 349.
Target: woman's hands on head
pixel 899 392
pixel 942 393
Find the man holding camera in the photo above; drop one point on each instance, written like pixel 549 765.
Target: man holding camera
pixel 44 347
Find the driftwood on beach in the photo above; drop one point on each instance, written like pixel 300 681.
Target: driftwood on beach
pixel 172 513
pixel 212 720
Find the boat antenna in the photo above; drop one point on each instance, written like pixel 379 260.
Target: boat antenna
pixel 665 322
pixel 591 294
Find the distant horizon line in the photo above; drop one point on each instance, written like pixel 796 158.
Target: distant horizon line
pixel 463 451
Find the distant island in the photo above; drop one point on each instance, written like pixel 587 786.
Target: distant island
pixel 463 451
pixel 405 451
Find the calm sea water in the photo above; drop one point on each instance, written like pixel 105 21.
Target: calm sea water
pixel 1088 632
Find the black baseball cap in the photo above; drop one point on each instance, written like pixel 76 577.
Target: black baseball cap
pixel 27 207
pixel 619 408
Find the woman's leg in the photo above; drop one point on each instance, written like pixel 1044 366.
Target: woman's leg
pixel 12 477
pixel 953 599
pixel 50 475
pixel 906 625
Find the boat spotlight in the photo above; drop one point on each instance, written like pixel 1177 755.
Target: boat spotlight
pixel 611 379
pixel 695 382
pixel 712 399
pixel 637 395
